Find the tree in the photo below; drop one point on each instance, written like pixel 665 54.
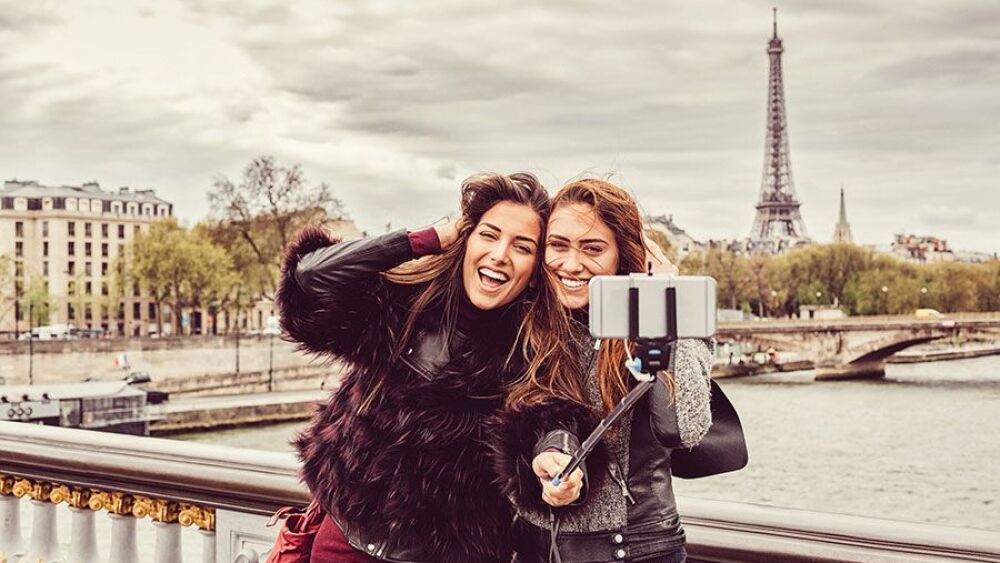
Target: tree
pixel 154 263
pixel 730 272
pixel 256 217
pixel 36 300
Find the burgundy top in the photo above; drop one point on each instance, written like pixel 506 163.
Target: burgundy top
pixel 424 242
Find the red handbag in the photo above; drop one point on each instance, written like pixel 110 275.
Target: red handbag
pixel 295 540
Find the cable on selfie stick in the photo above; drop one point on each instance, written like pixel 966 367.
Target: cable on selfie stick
pixel 652 355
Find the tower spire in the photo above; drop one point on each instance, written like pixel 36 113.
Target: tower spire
pixel 842 232
pixel 779 223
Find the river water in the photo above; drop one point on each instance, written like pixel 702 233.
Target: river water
pixel 923 445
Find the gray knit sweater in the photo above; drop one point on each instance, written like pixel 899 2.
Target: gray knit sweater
pixel 606 507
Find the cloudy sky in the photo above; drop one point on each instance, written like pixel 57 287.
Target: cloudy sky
pixel 393 103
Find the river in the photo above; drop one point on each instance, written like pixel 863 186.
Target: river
pixel 923 445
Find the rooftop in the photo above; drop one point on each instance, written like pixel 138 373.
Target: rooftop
pixel 89 190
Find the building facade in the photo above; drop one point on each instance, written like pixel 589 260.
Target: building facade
pixel 64 242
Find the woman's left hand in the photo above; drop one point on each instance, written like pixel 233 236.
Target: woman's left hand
pixel 656 257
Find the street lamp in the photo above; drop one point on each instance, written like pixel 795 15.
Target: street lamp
pixel 31 344
pixel 885 299
pixel 239 296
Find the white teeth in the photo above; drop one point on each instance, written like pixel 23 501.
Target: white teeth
pixel 573 284
pixel 493 274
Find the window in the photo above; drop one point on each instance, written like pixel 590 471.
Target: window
pixel 18 248
pixel 88 229
pixel 121 250
pixel 104 288
pixel 71 268
pixel 88 288
pixel 135 289
pixel 19 228
pixel 152 310
pixel 88 311
pixel 104 249
pixel 104 230
pixel 45 248
pixel 45 228
pixel 135 230
pixel 71 312
pixel 136 310
pixel 121 231
pixel 18 269
pixel 71 288
pixel 87 249
pixel 71 228
pixel 71 247
pixel 87 270
pixel 104 268
pixel 45 268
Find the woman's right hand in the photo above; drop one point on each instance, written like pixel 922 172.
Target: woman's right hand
pixel 448 232
pixel 547 465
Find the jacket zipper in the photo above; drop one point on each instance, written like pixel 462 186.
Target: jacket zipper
pixel 616 476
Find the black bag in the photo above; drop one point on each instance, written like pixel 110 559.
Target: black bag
pixel 723 449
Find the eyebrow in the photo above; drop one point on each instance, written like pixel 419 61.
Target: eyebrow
pixel 516 237
pixel 582 241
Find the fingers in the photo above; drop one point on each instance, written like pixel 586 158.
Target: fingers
pixel 566 493
pixel 547 465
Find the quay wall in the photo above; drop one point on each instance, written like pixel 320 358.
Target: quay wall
pixel 166 359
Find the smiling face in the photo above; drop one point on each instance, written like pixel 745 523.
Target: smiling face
pixel 501 254
pixel 578 247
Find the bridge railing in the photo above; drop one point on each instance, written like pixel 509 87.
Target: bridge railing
pixel 113 483
pixel 227 494
pixel 871 319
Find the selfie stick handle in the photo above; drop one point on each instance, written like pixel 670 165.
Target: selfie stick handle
pixel 652 355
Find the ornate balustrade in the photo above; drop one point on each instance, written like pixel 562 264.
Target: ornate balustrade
pixel 227 494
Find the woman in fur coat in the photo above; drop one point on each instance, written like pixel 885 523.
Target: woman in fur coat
pixel 620 505
pixel 425 324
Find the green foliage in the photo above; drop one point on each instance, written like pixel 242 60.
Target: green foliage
pixel 851 277
pixel 179 267
pixel 37 303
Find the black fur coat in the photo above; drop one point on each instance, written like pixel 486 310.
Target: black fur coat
pixel 413 467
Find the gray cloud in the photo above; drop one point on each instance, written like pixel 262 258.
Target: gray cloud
pixel 394 103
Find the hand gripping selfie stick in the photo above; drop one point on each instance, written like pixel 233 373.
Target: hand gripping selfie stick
pixel 652 355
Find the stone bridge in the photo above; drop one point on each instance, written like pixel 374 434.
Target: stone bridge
pixel 855 347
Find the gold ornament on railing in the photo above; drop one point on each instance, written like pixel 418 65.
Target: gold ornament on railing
pixel 158 510
pixel 6 485
pixel 204 518
pixel 120 504
pixel 37 491
pixel 75 497
pixel 98 499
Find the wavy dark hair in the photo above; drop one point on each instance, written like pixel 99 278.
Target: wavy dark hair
pixel 442 273
pixel 554 367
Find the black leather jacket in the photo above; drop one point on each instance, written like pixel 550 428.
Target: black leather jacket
pixel 405 476
pixel 652 528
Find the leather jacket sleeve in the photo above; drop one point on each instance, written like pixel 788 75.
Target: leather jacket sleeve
pixel 681 419
pixel 332 298
pixel 519 434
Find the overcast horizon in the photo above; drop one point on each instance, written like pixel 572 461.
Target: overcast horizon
pixel 393 104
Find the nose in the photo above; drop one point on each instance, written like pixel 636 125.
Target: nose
pixel 500 253
pixel 571 264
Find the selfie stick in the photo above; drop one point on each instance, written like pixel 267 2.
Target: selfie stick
pixel 652 355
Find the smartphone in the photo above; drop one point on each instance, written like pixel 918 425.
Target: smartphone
pixel 609 305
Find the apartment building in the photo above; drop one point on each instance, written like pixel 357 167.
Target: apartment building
pixel 65 239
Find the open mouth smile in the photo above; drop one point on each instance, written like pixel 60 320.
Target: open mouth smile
pixel 492 279
pixel 572 283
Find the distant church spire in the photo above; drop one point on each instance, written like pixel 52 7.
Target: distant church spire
pixel 842 232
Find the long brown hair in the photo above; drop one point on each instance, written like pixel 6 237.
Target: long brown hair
pixel 443 272
pixel 554 368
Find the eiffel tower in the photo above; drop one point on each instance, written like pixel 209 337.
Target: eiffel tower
pixel 778 224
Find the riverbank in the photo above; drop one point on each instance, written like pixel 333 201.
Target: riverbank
pixel 217 413
pixel 943 355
